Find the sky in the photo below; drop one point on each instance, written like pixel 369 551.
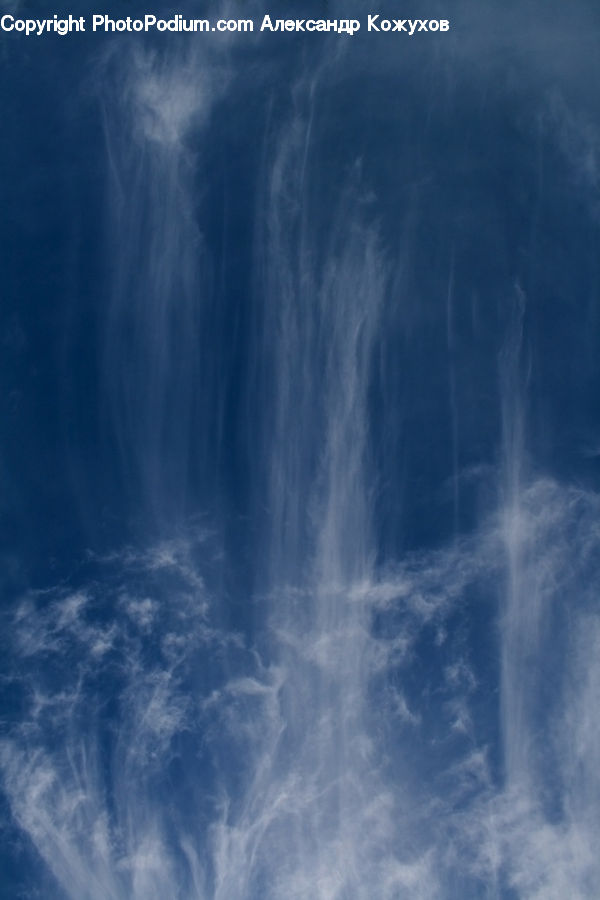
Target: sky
pixel 299 470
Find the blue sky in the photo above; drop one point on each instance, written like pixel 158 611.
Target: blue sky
pixel 301 547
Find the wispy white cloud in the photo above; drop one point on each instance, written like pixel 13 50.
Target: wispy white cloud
pixel 577 137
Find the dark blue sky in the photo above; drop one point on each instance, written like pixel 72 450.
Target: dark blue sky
pixel 299 468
